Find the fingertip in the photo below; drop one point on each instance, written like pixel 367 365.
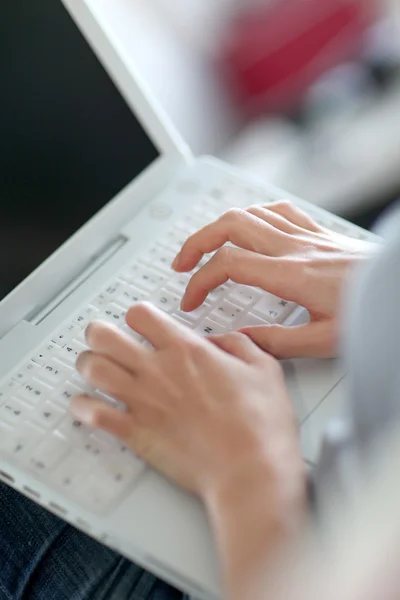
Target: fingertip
pixel 189 303
pixel 83 409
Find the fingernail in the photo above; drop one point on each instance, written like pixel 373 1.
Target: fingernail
pixel 183 303
pixel 81 361
pixel 176 262
pixel 83 410
pixel 87 332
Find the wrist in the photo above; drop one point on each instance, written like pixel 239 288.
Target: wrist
pixel 259 486
pixel 256 516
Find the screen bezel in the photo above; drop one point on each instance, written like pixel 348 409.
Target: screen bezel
pixel 107 43
pixel 42 285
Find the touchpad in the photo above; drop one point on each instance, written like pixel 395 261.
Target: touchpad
pixel 309 381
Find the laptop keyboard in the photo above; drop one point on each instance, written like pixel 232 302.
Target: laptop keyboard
pixel 37 432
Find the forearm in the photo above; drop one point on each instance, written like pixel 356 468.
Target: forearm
pixel 255 523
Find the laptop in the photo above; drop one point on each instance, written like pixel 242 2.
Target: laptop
pixel 106 251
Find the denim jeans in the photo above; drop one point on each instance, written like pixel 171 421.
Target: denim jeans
pixel 43 558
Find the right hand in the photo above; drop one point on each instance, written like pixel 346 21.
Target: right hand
pixel 280 249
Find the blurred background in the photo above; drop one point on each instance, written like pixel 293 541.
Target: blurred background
pixel 303 93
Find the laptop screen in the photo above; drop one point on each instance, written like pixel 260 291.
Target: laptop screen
pixel 68 140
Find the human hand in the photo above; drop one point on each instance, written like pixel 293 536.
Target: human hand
pixel 280 249
pixel 201 413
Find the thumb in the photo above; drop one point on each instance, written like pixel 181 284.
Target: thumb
pixel 240 346
pixel 314 340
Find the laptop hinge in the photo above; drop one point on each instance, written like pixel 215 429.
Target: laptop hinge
pixel 89 268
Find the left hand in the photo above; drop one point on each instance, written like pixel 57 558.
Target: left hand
pixel 204 414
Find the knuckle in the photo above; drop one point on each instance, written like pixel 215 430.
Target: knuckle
pixel 272 363
pixel 285 205
pixel 233 215
pixel 237 339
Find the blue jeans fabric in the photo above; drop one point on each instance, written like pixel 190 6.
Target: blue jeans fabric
pixel 43 558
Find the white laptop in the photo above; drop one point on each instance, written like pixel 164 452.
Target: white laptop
pixel 121 255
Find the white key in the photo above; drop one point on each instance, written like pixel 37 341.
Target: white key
pixel 7 436
pixel 63 336
pixel 44 354
pixel 52 373
pixel 105 439
pixel 18 443
pixel 34 391
pixel 251 320
pixel 115 473
pixel 244 295
pixel 25 372
pixel 70 353
pixel 178 283
pixel 131 296
pixel 100 300
pixel 81 337
pixel 109 295
pixel 186 229
pixel 50 452
pixel 72 430
pixel 115 288
pixel 65 393
pixel 273 309
pixel 210 208
pixel 48 415
pixel 96 493
pixel 179 235
pixel 231 196
pixel 121 466
pixel 159 258
pixel 113 313
pixel 76 379
pixel 86 316
pixel 7 390
pixel 92 448
pixel 195 316
pixel 165 300
pixel 208 327
pixel 173 241
pixel 131 273
pixel 71 472
pixel 182 321
pixel 217 294
pixel 197 220
pixel 14 412
pixel 226 314
pixel 149 280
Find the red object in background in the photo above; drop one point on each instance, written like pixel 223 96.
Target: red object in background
pixel 273 53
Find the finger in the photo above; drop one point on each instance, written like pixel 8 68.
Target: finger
pixel 104 374
pixel 157 327
pixel 94 413
pixel 240 228
pixel 116 345
pixel 274 219
pixel 295 215
pixel 315 340
pixel 124 426
pixel 279 276
pixel 240 346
